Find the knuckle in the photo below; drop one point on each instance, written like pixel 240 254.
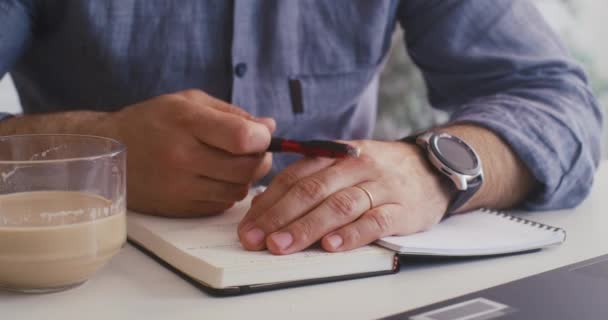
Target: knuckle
pixel 343 203
pixel 352 237
pixel 176 109
pixel 366 159
pixel 184 118
pixel 233 109
pixel 286 179
pixel 381 220
pixel 170 97
pixel 191 94
pixel 304 231
pixel 271 222
pixel 309 189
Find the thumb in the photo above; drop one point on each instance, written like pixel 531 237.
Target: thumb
pixel 270 123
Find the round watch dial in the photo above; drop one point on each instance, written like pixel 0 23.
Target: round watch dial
pixel 455 153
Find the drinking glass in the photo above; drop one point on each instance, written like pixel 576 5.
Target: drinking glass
pixel 62 209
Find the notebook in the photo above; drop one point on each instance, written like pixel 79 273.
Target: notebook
pixel 206 251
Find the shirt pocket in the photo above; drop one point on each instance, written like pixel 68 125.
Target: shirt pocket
pixel 328 95
pixel 341 47
pixel 338 37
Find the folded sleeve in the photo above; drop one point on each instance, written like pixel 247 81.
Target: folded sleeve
pixel 498 65
pixel 15 33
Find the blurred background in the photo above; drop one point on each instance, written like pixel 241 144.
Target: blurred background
pixel 403 103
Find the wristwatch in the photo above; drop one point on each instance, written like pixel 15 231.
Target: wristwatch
pixel 454 159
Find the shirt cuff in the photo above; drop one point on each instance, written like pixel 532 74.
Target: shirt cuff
pixel 556 157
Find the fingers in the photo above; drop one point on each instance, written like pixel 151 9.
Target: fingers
pixel 283 182
pixel 251 236
pixel 304 195
pixel 382 221
pixel 230 132
pixel 221 165
pixel 228 127
pixel 339 209
pixel 190 153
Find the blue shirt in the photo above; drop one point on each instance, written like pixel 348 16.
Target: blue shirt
pixel 313 65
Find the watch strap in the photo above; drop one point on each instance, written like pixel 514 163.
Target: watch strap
pixel 409 139
pixel 461 197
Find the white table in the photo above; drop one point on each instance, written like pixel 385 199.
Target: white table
pixel 133 286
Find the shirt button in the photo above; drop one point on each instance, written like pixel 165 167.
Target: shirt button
pixel 240 69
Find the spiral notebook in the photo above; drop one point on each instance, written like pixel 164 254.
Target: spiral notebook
pixel 478 233
pixel 206 251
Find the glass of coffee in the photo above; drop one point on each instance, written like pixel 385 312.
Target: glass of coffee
pixel 62 209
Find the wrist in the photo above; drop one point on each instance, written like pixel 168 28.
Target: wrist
pixel 506 181
pixel 437 188
pixel 456 161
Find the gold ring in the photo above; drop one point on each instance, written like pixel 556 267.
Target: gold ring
pixel 369 195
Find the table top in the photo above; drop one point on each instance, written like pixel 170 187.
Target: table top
pixel 132 285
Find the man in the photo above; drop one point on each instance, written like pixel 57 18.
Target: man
pixel 195 89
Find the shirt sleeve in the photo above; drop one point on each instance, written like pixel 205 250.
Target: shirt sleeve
pixel 498 65
pixel 15 32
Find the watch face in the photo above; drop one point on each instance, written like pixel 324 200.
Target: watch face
pixel 456 154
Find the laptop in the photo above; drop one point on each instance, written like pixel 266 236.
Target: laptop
pixel 578 291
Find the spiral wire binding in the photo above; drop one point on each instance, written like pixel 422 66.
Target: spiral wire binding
pixel 524 221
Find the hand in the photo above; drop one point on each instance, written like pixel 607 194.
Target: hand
pixel 318 199
pixel 189 154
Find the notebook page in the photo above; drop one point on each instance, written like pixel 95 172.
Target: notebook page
pixel 218 245
pixel 475 233
pixel 214 240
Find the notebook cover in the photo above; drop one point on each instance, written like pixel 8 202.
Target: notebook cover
pixel 246 289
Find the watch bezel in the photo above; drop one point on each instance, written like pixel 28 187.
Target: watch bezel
pixel 434 148
pixel 460 178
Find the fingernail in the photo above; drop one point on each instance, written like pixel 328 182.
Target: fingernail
pixel 254 236
pixel 282 239
pixel 335 241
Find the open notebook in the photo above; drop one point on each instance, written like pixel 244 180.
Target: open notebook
pixel 207 251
